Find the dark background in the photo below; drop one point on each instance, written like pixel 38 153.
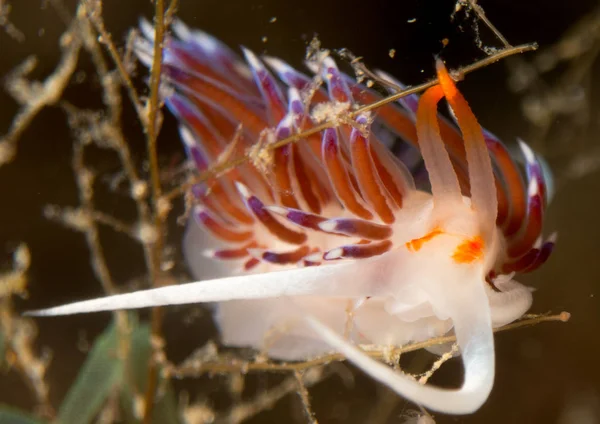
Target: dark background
pixel 545 374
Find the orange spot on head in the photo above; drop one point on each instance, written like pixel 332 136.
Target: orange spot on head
pixel 416 244
pixel 469 251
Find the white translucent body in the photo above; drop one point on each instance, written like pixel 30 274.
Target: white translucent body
pixel 404 288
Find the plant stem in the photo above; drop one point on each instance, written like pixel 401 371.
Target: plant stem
pixel 158 217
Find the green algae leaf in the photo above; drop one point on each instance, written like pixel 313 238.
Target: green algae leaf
pixel 100 374
pixel 165 409
pixel 10 415
pixel 104 372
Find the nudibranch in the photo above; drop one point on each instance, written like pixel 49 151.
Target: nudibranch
pixel 328 243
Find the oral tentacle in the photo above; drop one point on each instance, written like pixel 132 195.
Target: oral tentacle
pixel 510 302
pixel 473 328
pixel 313 281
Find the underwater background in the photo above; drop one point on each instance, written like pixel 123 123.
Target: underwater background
pixel 548 373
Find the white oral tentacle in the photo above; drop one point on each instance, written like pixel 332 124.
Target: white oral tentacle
pixel 331 280
pixel 472 323
pixel 510 303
